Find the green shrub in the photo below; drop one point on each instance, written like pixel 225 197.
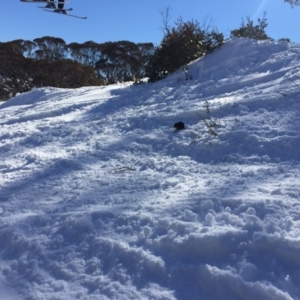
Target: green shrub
pixel 249 30
pixel 180 45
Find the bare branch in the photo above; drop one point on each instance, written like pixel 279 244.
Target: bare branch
pixel 165 20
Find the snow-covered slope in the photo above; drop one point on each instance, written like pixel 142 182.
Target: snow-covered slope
pixel 101 199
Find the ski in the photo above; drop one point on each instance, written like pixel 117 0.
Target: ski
pixel 43 1
pixel 66 9
pixel 74 16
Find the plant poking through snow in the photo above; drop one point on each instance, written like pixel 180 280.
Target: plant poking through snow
pixel 211 124
pixel 187 75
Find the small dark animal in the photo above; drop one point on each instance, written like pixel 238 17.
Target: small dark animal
pixel 179 125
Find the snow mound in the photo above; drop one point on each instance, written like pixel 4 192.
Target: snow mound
pixel 101 199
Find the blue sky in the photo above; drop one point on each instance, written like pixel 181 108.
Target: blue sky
pixel 140 20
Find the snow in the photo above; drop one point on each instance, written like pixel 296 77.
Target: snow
pixel 101 199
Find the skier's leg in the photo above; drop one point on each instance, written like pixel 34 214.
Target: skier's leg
pixel 61 6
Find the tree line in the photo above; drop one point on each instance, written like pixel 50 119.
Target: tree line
pixel 49 61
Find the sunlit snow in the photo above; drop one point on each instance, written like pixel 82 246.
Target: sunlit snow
pixel 101 199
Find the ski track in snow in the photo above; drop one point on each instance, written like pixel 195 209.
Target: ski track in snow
pixel 101 199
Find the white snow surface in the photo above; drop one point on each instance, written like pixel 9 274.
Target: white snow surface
pixel 101 199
